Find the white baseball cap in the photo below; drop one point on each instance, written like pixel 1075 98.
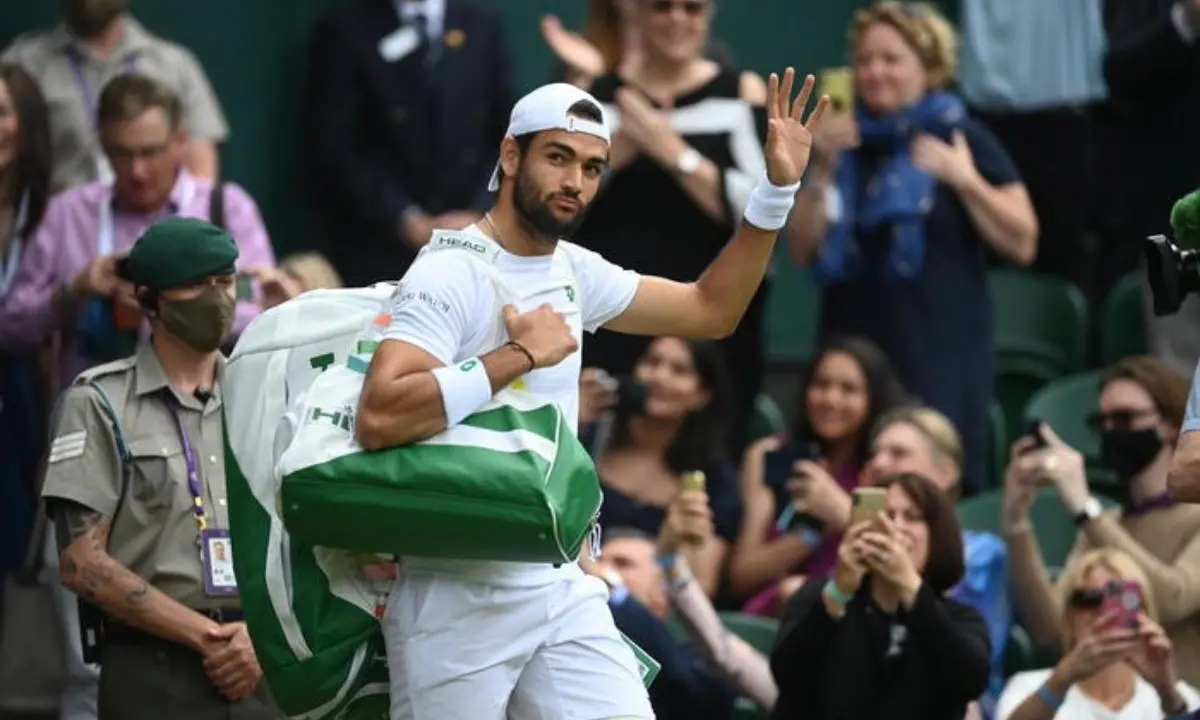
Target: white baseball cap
pixel 546 109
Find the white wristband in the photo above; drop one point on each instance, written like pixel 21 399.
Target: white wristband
pixel 769 205
pixel 465 388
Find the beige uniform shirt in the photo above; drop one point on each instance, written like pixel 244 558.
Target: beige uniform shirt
pixel 154 532
pixel 48 56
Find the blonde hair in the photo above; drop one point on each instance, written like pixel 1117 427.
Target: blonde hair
pixel 313 270
pixel 934 426
pixel 923 27
pixel 1116 562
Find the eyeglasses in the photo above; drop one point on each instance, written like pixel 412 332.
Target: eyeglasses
pixel 691 8
pixel 1119 419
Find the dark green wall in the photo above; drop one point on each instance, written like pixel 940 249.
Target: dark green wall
pixel 254 52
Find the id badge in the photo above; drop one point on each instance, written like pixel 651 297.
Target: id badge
pixel 216 555
pixel 648 667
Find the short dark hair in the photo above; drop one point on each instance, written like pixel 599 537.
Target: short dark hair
pixel 944 565
pixel 125 97
pixel 625 532
pixel 584 110
pixel 33 162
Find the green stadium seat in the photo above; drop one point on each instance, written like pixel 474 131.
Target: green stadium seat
pixel 1039 316
pixel 998 432
pixel 1054 528
pixel 793 313
pixel 1020 654
pixel 1017 379
pixel 1124 331
pixel 1065 404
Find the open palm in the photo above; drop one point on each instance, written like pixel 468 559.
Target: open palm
pixel 789 134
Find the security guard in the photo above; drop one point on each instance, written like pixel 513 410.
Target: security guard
pixel 135 483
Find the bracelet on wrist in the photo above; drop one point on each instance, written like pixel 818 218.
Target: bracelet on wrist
pixel 835 593
pixel 1052 699
pixel 524 351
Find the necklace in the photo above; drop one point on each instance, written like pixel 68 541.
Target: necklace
pixel 495 230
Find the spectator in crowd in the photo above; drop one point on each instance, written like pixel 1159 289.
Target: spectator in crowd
pixel 67 278
pixel 611 41
pixel 670 423
pixel 296 274
pixel 923 442
pixel 1140 409
pixel 145 555
pixel 1153 71
pixel 407 102
pixel 1044 119
pixel 1109 669
pixel 902 201
pixel 649 579
pixel 685 153
pixel 880 638
pixel 24 192
pixel 97 41
pixel 794 513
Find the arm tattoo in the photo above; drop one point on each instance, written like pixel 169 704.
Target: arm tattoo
pixel 95 574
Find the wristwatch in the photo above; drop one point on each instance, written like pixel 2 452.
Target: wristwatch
pixel 1092 509
pixel 688 161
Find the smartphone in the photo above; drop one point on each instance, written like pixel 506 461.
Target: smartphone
pixel 866 503
pixel 1123 598
pixel 1033 429
pixel 838 84
pixel 244 286
pixel 631 395
pixel 777 464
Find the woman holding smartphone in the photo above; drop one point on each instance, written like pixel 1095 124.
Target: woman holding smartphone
pixel 1118 664
pixel 880 638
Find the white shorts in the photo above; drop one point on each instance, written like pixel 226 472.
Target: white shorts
pixel 464 650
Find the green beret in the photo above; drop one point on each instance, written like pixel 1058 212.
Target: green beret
pixel 179 251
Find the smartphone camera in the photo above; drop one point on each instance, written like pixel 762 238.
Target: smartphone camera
pixel 1033 430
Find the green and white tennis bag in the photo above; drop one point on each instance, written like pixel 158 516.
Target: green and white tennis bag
pixel 509 483
pixel 311 612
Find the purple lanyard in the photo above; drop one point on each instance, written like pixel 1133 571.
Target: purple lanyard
pixel 193 473
pixel 85 87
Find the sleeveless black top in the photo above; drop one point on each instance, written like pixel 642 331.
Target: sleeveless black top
pixel 645 221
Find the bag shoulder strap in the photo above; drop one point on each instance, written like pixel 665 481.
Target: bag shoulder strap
pixel 216 205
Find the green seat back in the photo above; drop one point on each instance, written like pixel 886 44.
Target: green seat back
pixel 1124 331
pixel 1041 314
pixel 767 419
pixel 1065 405
pixel 1020 654
pixel 759 633
pixel 1054 528
pixel 998 434
pixel 793 312
pixel 1017 379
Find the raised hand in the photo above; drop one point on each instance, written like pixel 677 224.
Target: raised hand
pixel 789 134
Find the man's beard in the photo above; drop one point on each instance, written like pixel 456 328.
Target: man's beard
pixel 537 216
pixel 88 18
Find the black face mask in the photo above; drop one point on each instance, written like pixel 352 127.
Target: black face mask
pixel 1128 452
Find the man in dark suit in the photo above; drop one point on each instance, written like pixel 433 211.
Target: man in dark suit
pixel 408 101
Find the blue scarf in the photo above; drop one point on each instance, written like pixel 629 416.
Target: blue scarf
pixel 898 196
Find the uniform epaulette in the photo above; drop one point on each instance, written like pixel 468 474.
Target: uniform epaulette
pixel 109 368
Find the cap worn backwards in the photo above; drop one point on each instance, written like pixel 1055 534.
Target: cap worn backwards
pixel 178 251
pixel 546 109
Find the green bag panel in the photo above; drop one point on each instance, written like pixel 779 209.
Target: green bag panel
pixel 441 500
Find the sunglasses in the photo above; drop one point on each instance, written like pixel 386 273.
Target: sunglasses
pixel 1087 599
pixel 1119 419
pixel 691 8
